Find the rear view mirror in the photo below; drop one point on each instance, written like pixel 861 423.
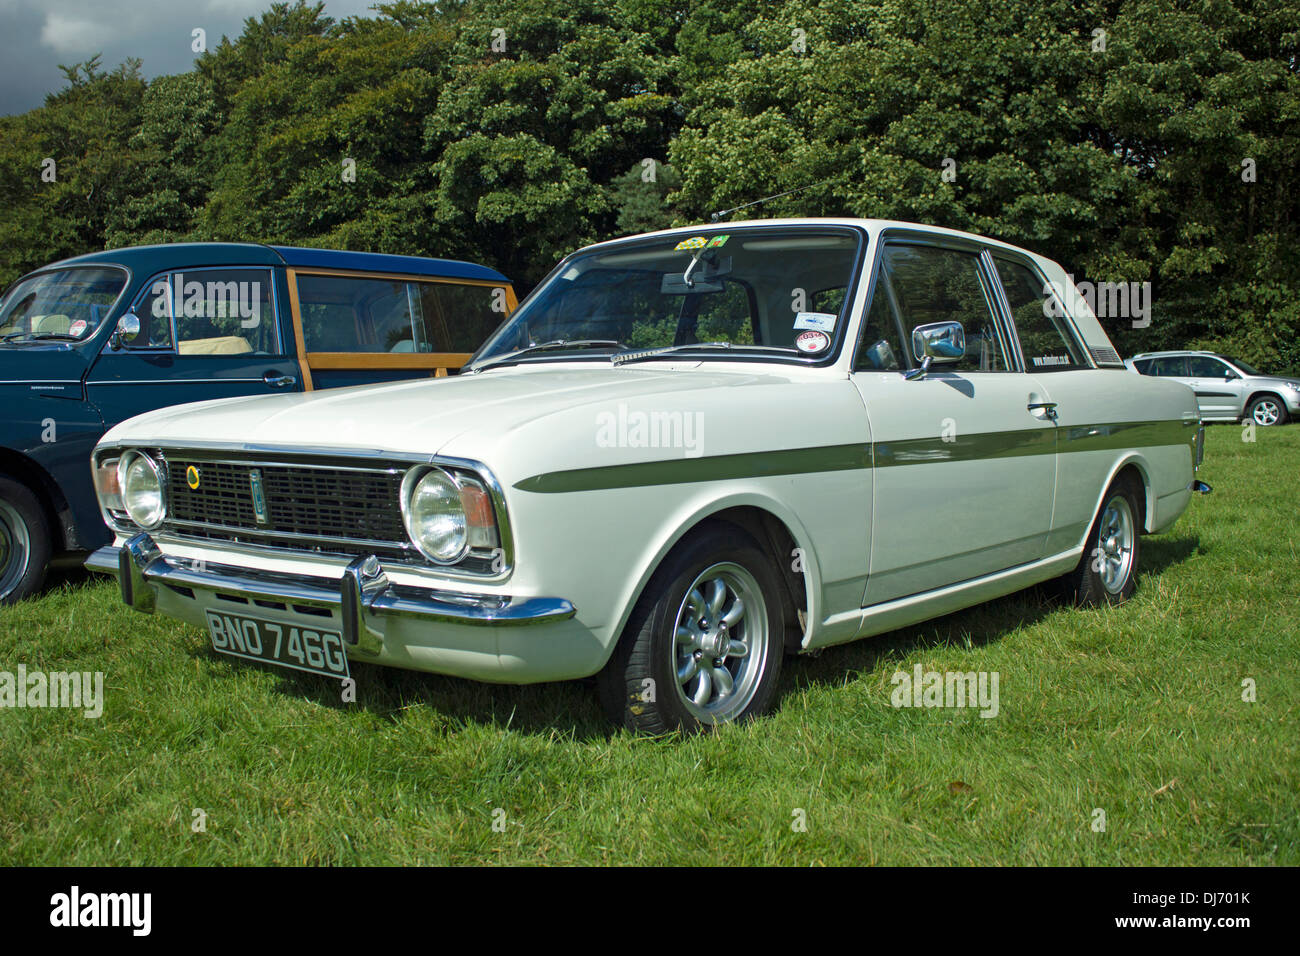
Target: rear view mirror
pixel 675 284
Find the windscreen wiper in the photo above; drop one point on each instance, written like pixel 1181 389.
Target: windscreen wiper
pixel 41 336
pixel 624 357
pixel 547 347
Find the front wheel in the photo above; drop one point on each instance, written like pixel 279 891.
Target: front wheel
pixel 1267 410
pixel 24 542
pixel 704 644
pixel 1107 571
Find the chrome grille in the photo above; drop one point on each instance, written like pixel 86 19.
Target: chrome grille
pixel 347 510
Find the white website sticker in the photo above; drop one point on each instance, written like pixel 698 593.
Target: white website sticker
pixel 821 321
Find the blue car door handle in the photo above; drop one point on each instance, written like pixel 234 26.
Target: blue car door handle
pixel 277 380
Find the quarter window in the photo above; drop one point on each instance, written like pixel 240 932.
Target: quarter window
pixel 1045 337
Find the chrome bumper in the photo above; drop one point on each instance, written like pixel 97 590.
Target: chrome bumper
pixel 363 592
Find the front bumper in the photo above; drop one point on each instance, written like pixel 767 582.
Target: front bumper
pixel 365 604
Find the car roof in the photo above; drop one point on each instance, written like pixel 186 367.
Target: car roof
pixel 155 258
pixel 872 225
pixel 1176 352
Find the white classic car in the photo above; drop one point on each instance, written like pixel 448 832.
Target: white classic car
pixel 684 456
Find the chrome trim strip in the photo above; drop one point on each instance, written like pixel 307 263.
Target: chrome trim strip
pixel 142 568
pixel 174 525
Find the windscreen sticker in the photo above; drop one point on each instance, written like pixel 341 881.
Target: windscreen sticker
pixel 77 327
pixel 822 321
pixel 812 341
pixel 701 242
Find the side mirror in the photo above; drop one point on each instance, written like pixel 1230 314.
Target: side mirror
pixel 942 342
pixel 128 328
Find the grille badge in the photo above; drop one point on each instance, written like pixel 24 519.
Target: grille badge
pixel 259 499
pixel 192 477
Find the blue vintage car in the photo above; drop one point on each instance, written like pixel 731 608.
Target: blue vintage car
pixel 91 341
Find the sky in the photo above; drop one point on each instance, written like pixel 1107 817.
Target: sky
pixel 37 35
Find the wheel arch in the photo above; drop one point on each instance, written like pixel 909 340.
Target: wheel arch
pixel 1258 394
pixel 776 530
pixel 58 512
pixel 1135 465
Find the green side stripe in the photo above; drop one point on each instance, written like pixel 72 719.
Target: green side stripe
pixel 915 451
pixel 794 461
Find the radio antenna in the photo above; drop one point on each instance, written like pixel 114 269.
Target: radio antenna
pixel 722 213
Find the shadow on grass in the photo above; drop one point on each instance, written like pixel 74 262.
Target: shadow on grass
pixel 570 709
pixel 972 626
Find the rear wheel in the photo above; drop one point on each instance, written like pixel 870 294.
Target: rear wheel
pixel 704 644
pixel 1267 410
pixel 24 542
pixel 1107 571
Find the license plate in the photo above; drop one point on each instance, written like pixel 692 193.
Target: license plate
pixel 287 645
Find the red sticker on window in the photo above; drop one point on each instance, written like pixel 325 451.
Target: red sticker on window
pixel 812 341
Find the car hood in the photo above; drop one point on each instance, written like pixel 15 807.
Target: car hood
pixel 1276 381
pixel 423 416
pixel 41 362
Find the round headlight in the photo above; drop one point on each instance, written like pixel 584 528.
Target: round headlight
pixel 435 517
pixel 142 489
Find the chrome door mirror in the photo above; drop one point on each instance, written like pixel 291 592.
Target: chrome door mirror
pixel 128 328
pixel 941 342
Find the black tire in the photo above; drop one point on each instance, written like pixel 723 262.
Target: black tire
pixel 1268 407
pixel 1095 582
pixel 24 542
pixel 639 687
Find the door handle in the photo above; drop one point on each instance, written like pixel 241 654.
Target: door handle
pixel 1049 408
pixel 276 380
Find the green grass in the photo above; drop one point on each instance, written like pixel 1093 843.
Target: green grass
pixel 1135 710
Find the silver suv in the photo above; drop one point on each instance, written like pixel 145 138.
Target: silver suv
pixel 1227 390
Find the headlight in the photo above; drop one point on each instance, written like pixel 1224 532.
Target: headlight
pixel 141 487
pixel 447 514
pixel 435 518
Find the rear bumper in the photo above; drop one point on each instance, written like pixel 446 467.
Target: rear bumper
pixel 419 628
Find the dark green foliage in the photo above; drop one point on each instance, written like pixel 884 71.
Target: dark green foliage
pixel 1125 163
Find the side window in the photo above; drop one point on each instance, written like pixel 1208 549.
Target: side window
pixel 360 314
pixel 1143 366
pixel 933 284
pixel 459 318
pixel 1171 366
pixel 1045 338
pixel 1202 366
pixel 225 312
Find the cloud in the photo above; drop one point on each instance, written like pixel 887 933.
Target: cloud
pixel 65 34
pixel 37 35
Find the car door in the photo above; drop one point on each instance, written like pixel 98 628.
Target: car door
pixel 1089 410
pixel 204 333
pixel 964 463
pixel 1219 389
